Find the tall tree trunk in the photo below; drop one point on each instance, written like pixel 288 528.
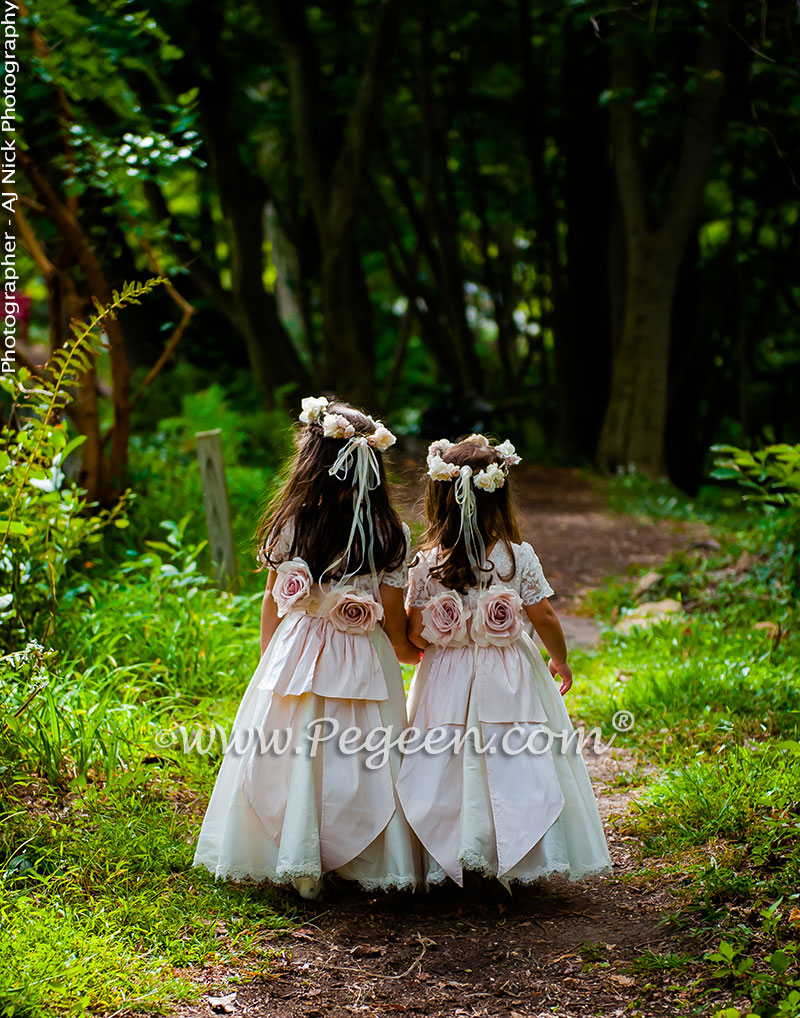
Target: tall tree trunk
pixel 633 429
pixel 335 183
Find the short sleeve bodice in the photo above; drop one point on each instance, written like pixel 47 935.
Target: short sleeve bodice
pixel 528 579
pixel 282 549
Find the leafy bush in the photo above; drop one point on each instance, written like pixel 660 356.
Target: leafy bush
pixel 42 515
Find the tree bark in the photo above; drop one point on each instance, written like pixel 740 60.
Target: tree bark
pixel 335 185
pixel 633 429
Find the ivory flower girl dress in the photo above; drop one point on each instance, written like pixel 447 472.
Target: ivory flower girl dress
pixel 506 811
pixel 292 816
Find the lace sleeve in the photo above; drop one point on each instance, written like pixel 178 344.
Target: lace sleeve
pixel 533 586
pixel 280 546
pixel 399 577
pixel 418 595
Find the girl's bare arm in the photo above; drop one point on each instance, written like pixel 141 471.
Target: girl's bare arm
pixel 269 613
pixel 395 624
pixel 415 627
pixel 545 622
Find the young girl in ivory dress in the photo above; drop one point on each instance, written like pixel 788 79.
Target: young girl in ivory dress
pixel 333 626
pixel 486 785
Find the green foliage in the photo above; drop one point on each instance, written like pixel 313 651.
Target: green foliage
pixel 770 478
pixel 100 906
pixel 99 902
pixel 715 693
pixel 770 475
pixel 43 522
pixel 742 801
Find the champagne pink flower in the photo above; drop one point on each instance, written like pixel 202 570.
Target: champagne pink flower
pixel 445 620
pixel 292 587
pixel 351 610
pixel 498 617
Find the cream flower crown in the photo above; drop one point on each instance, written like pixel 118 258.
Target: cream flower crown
pixel 488 479
pixel 314 412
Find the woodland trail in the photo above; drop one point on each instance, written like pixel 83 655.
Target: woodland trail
pixel 562 949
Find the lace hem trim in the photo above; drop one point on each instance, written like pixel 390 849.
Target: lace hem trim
pixel 389 882
pixel 475 862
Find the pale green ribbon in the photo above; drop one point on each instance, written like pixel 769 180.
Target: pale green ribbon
pixel 476 549
pixel 357 455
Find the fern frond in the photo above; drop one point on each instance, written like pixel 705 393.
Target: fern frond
pixel 63 371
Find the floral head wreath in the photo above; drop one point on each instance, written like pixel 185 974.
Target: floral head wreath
pixel 466 481
pixel 488 479
pixel 356 455
pixel 314 412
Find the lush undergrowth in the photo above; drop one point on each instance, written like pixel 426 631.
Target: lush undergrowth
pixel 112 634
pixel 100 907
pixel 712 680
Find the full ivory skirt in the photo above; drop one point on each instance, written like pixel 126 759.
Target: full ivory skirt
pixel 284 816
pixel 515 817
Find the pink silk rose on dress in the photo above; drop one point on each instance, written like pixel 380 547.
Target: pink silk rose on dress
pixel 292 587
pixel 498 617
pixel 445 620
pixel 351 610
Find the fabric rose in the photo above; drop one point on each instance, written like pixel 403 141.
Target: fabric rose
pixel 445 620
pixel 313 407
pixel 292 587
pixel 351 610
pixel 507 450
pixel 439 447
pixel 490 478
pixel 438 470
pixel 381 438
pixel 498 617
pixel 337 426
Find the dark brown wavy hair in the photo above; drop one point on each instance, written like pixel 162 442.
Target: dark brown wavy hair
pixel 321 506
pixel 495 511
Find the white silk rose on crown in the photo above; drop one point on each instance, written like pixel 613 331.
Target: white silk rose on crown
pixel 292 587
pixel 439 447
pixel 312 408
pixel 507 450
pixel 497 620
pixel 337 426
pixel 438 470
pixel 381 438
pixel 351 610
pixel 490 478
pixel 445 620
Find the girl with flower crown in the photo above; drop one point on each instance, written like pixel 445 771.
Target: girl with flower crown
pixel 299 794
pixel 493 780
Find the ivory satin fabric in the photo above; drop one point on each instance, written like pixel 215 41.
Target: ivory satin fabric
pixel 282 816
pixel 517 817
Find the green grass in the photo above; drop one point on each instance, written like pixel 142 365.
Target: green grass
pixel 715 692
pixel 101 908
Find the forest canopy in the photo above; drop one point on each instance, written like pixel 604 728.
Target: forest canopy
pixel 578 224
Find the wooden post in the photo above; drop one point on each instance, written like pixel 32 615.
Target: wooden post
pixel 218 517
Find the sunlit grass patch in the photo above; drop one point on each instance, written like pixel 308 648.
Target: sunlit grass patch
pixel 101 906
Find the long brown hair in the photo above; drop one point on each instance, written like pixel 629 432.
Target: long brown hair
pixel 320 507
pixel 495 512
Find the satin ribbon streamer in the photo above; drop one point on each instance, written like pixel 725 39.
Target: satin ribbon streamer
pixel 357 455
pixel 476 549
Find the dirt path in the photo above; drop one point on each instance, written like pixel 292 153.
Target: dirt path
pixel 563 949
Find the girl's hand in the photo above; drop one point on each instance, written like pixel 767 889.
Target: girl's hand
pixel 563 669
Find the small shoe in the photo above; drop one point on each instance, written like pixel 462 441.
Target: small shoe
pixel 308 887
